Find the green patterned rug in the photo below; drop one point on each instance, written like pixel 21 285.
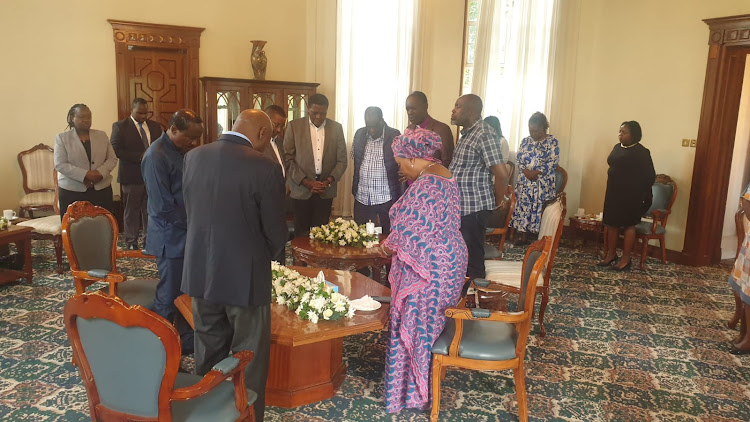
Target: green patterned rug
pixel 632 346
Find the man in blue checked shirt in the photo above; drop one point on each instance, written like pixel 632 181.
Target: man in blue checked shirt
pixel 476 159
pixel 376 184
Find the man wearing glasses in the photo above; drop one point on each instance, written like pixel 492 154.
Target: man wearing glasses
pixel 130 139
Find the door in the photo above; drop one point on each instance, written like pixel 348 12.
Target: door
pixel 157 76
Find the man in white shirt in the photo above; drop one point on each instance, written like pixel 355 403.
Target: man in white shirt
pixel 315 157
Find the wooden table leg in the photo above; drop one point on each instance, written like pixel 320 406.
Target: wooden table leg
pixel 24 255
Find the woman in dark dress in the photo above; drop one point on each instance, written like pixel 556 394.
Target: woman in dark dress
pixel 630 177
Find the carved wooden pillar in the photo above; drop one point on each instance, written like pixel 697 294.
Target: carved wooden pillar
pixel 729 44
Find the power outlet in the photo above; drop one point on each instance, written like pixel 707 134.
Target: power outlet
pixel 693 142
pixel 686 142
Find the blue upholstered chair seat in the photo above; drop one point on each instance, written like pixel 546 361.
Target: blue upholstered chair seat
pixel 644 227
pixel 216 405
pixel 491 252
pixel 136 292
pixel 482 340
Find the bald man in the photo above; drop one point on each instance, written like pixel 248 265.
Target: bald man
pixel 477 158
pixel 233 194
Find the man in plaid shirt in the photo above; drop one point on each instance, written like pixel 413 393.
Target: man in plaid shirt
pixel 476 159
pixel 375 184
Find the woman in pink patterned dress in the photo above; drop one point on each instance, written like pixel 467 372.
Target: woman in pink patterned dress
pixel 427 270
pixel 739 279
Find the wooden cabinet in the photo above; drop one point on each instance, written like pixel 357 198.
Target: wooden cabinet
pixel 224 99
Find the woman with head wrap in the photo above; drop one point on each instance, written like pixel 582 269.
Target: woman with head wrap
pixel 428 267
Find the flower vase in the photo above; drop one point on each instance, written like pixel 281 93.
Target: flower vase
pixel 258 60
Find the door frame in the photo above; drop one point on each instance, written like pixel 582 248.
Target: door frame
pixel 729 38
pixel 185 39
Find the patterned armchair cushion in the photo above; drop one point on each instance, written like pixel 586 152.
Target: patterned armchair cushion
pixel 216 405
pixel 127 363
pixel 40 169
pixel 46 225
pixel 507 273
pixel 36 199
pixel 481 340
pixel 92 238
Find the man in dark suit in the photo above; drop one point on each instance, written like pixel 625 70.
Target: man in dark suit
pixel 416 109
pixel 130 139
pixel 315 156
pixel 275 151
pixel 233 195
pixel 162 172
pixel 375 183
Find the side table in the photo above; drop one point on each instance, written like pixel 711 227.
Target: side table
pixel 581 225
pixel 21 236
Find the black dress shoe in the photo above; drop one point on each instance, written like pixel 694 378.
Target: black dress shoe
pixel 625 268
pixel 133 247
pixel 739 352
pixel 603 263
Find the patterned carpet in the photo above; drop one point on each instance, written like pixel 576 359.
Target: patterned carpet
pixel 620 347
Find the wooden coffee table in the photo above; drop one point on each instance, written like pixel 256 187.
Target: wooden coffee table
pixel 306 363
pixel 347 258
pixel 21 236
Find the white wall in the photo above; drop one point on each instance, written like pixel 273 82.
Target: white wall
pixel 59 53
pixel 640 60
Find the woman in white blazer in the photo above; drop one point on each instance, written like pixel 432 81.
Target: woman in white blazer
pixel 84 159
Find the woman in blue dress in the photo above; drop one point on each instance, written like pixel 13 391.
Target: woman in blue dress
pixel 537 160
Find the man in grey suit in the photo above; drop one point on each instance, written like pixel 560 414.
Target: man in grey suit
pixel 315 155
pixel 232 196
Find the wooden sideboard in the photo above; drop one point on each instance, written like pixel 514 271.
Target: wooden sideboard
pixel 224 98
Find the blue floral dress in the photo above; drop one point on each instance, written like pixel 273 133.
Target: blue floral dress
pixel 531 194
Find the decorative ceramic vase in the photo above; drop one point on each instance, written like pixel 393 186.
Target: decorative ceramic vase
pixel 258 60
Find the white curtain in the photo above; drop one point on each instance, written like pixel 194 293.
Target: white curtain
pixel 513 62
pixel 376 60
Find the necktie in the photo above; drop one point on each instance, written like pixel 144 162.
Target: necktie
pixel 144 138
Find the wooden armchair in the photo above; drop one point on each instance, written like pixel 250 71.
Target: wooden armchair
pixel 664 193
pixel 507 276
pixel 89 235
pixel 498 225
pixel 129 357
pixel 561 179
pixel 485 340
pixel 49 228
pixel 39 179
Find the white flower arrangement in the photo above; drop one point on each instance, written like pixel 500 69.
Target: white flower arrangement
pixel 309 298
pixel 344 232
